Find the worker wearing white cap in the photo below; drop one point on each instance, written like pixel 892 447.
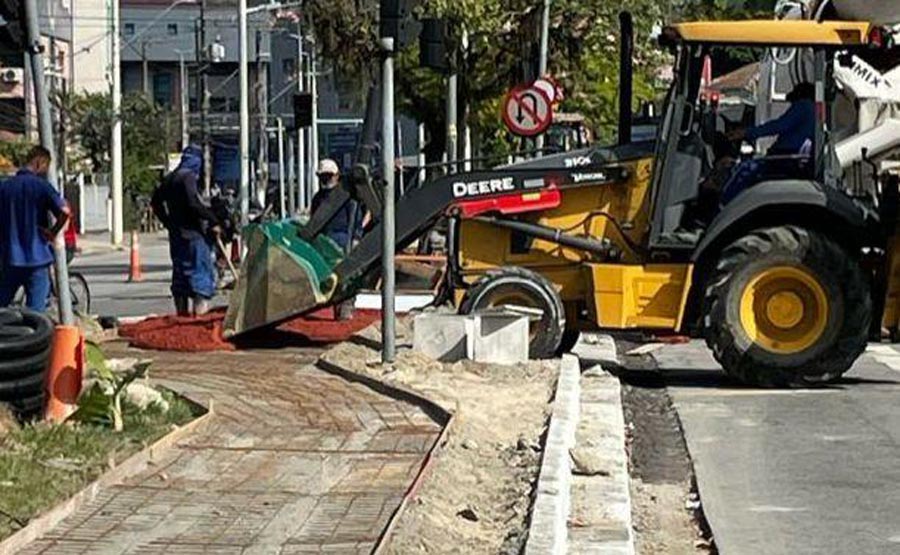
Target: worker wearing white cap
pixel 338 228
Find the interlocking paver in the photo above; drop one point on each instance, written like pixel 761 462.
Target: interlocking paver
pixel 295 461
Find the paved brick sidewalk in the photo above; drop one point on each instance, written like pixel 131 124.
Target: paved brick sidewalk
pixel 295 461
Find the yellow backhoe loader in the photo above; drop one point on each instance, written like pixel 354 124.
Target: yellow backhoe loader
pixel 783 281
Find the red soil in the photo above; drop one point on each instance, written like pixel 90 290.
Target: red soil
pixel 204 333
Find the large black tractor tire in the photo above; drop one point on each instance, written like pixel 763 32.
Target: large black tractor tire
pixel 25 338
pixel 23 332
pixel 511 285
pixel 787 307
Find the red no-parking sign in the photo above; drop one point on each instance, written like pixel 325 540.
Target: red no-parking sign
pixel 527 111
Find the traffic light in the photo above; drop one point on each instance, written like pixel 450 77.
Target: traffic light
pixel 303 109
pixel 12 29
pixel 433 44
pixel 395 22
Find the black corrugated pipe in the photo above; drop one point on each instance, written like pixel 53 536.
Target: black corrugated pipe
pixel 550 234
pixel 626 74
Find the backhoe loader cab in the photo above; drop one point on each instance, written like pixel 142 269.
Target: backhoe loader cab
pixel 771 278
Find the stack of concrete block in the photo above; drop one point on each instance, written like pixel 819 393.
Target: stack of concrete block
pixel 492 337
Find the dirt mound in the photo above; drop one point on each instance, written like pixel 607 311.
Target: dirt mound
pixel 476 497
pixel 204 333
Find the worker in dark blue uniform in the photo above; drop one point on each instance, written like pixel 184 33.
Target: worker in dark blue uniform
pixel 26 236
pixel 338 228
pixel 795 130
pixel 192 226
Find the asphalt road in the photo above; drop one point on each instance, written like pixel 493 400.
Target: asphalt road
pixel 802 471
pixel 111 292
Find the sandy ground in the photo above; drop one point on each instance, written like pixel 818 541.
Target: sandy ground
pixel 477 496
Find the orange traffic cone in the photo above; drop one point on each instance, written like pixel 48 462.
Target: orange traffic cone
pixel 64 373
pixel 134 270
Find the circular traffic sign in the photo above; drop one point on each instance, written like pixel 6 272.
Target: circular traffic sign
pixel 527 111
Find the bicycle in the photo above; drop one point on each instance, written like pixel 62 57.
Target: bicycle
pixel 79 292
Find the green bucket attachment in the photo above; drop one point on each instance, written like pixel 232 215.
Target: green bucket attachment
pixel 282 276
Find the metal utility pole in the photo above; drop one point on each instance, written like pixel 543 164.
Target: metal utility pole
pixel 204 59
pixel 314 130
pixel 388 323
pixel 451 115
pixel 245 111
pixel 291 176
pixel 45 124
pixel 118 220
pixel 145 70
pixel 542 60
pixel 420 159
pixel 183 102
pixel 301 132
pixel 282 209
pixel 262 100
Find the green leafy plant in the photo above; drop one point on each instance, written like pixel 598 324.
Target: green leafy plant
pixel 103 403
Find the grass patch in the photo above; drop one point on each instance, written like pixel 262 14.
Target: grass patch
pixel 42 465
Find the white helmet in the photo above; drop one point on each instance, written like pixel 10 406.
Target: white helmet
pixel 328 166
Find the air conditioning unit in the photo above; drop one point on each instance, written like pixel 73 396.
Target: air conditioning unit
pixel 12 75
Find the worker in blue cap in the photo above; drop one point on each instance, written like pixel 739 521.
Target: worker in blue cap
pixel 192 226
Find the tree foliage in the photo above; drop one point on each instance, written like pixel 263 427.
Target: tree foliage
pixel 502 52
pixel 146 136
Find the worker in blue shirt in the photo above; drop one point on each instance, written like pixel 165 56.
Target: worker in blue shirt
pixel 26 234
pixel 795 130
pixel 192 226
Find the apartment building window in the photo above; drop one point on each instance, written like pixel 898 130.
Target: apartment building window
pixel 288 69
pixel 129 29
pixel 162 89
pixel 172 28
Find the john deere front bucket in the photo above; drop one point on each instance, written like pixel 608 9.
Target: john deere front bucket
pixel 282 276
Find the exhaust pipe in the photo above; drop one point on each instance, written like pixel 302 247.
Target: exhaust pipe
pixel 626 71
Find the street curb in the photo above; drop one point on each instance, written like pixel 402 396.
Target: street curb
pixel 600 519
pixel 548 531
pixel 134 464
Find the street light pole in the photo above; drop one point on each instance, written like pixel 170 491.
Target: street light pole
pixel 388 322
pixel 542 61
pixel 314 131
pixel 205 59
pixel 245 111
pixel 46 131
pixel 301 132
pixel 185 131
pixel 145 70
pixel 118 221
pixel 451 115
pixel 282 209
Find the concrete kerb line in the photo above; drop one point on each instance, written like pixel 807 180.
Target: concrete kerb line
pixel 549 516
pixel 134 464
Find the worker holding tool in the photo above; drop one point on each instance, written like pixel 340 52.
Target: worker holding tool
pixel 345 227
pixel 26 236
pixel 192 227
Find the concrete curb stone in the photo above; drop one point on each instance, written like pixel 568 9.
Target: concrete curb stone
pixel 583 501
pixel 548 531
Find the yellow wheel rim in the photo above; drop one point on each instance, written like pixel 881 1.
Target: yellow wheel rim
pixel 784 310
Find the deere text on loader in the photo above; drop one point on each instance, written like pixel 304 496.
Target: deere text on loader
pixel 779 281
